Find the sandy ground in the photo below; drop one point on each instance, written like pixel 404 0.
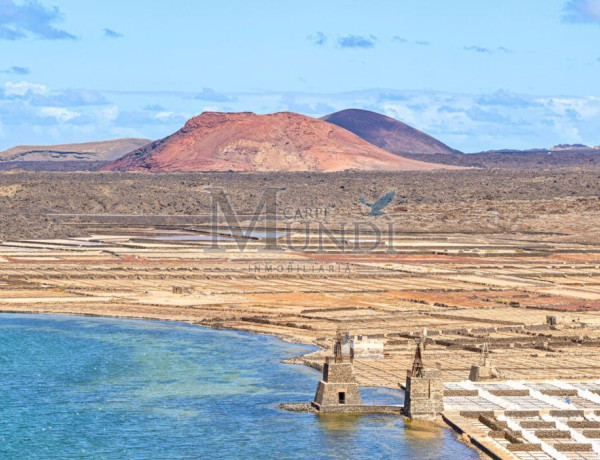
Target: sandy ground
pixel 477 256
pixel 305 297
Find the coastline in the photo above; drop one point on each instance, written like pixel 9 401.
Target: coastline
pixel 283 337
pixel 458 286
pixel 159 364
pixel 296 360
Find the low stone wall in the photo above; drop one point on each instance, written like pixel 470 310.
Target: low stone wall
pixel 573 447
pixel 539 424
pixel 500 429
pixel 537 327
pixel 567 413
pixel 510 328
pixel 348 409
pixel 461 392
pixel 360 409
pixel 510 392
pixel 493 424
pixel 399 342
pixel 553 434
pixel 514 437
pixel 298 407
pixel 524 447
pixel 521 413
pixel 476 414
pixel 327 310
pixel 559 392
pixel 484 447
pixel 583 424
pixel 475 319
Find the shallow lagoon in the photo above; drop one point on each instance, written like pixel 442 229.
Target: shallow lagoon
pixel 113 388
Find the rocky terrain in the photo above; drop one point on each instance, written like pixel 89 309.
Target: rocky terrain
pixel 517 159
pixel 467 200
pixel 505 257
pixel 248 142
pixel 65 165
pixel 85 156
pixel 86 152
pixel 385 132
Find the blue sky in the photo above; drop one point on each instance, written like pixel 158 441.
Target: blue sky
pixel 476 74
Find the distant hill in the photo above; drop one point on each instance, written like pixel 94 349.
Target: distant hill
pixel 88 151
pixel 286 141
pixel 385 132
pixel 518 159
pixel 562 149
pixel 569 147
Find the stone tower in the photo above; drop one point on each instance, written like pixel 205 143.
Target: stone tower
pixel 424 394
pixel 338 391
pixel 484 370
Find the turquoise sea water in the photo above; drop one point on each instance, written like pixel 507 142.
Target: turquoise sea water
pixel 111 388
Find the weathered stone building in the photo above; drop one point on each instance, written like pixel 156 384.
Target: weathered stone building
pixel 364 347
pixel 484 370
pixel 183 290
pixel 338 391
pixel 424 390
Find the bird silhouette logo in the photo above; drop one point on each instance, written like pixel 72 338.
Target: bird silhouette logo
pixel 378 206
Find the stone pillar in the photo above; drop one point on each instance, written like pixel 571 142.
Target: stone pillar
pixel 484 370
pixel 424 389
pixel 338 391
pixel 424 399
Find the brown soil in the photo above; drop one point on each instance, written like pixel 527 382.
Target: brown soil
pixel 248 142
pixel 472 201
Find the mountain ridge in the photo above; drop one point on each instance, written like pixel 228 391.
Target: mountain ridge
pixel 83 151
pixel 387 133
pixel 245 141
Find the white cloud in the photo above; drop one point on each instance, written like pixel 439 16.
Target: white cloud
pixel 468 122
pixel 59 113
pixel 568 132
pixel 164 115
pixel 109 113
pixel 24 88
pixel 125 132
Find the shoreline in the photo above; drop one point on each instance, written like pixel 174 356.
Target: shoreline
pixel 441 423
pixel 19 320
pixel 283 338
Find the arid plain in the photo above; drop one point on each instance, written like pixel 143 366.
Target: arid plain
pixel 462 253
pixel 469 255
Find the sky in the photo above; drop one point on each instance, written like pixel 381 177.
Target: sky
pixel 476 74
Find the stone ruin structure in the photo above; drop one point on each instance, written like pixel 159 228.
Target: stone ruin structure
pixel 338 391
pixel 484 370
pixel 364 347
pixel 551 320
pixel 424 389
pixel 183 290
